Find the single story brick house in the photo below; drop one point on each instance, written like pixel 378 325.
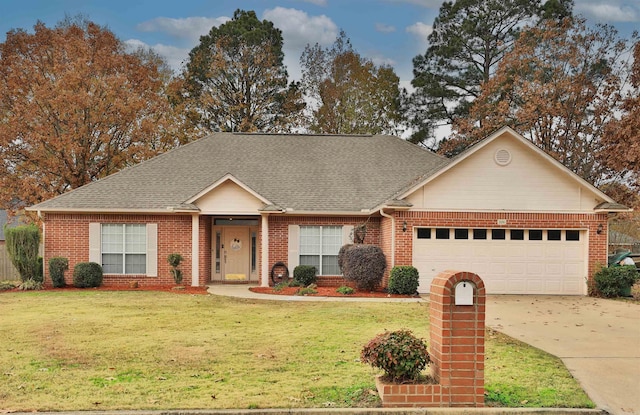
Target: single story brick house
pixel 235 204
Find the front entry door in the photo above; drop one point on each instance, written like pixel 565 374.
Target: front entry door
pixel 235 254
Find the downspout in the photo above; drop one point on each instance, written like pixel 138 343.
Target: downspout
pixel 393 236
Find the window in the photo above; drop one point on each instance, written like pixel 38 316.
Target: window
pixel 572 235
pixel 535 234
pixel 319 246
pixel 424 233
pixel 218 243
pixel 124 248
pixel 461 233
pixel 517 234
pixel 498 234
pixel 442 233
pixel 254 250
pixel 479 234
pixel 554 235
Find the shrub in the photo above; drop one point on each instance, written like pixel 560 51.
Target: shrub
pixel 30 285
pixel 87 274
pixel 363 264
pixel 304 275
pixel 611 281
pixel 403 280
pixel 399 353
pixel 22 244
pixel 8 285
pixel 311 289
pixel 344 290
pixel 57 267
pixel 175 260
pixel 281 286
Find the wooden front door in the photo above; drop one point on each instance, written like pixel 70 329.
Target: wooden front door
pixel 236 249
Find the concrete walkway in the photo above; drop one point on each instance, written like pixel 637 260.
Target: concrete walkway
pixel 598 340
pixel 242 291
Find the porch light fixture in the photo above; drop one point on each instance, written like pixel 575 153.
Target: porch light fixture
pixel 404 226
pixel 599 230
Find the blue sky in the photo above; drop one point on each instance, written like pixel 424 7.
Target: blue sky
pixel 386 31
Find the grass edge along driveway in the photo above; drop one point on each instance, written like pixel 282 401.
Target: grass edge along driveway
pixel 106 350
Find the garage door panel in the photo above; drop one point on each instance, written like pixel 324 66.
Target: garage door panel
pixel 506 266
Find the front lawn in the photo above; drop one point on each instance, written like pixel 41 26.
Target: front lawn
pixel 100 350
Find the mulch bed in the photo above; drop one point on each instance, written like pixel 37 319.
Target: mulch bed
pixel 326 292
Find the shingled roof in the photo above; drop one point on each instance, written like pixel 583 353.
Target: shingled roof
pixel 314 173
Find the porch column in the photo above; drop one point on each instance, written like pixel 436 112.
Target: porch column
pixel 195 250
pixel 264 273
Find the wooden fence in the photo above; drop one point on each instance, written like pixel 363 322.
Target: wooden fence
pixel 7 271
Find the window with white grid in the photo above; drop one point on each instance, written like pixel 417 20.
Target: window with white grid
pixel 319 246
pixel 124 248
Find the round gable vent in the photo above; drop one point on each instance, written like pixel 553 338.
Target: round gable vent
pixel 502 157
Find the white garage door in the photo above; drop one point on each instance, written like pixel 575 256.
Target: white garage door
pixel 509 261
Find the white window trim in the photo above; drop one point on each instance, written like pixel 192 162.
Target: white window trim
pixel 320 254
pixel 95 246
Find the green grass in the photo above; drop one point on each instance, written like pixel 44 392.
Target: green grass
pixel 151 350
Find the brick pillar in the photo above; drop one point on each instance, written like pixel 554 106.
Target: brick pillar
pixel 457 338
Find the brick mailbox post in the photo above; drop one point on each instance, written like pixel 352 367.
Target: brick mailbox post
pixel 457 318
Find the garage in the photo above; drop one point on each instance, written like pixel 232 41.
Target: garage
pixel 510 261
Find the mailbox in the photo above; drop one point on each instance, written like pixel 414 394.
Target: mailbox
pixel 464 293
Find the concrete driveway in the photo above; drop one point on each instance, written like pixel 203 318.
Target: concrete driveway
pixel 597 339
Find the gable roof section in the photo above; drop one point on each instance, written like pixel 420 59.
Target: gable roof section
pixel 296 173
pixel 608 204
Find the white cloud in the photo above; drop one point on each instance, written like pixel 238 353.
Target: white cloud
pixel 174 56
pixel 380 60
pixel 384 28
pixel 298 30
pixel 189 28
pixel 609 12
pixel 421 31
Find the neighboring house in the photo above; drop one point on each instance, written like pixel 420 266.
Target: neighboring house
pixel 235 204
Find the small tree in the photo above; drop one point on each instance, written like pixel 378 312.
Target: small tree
pixel 174 261
pixel 22 244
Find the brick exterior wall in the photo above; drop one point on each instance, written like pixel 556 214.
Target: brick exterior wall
pixel 456 350
pixel 597 243
pixel 279 233
pixel 67 235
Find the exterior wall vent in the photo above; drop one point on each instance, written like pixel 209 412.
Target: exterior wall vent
pixel 502 157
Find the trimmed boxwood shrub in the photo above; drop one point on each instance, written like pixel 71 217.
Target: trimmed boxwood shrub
pixel 87 275
pixel 304 275
pixel 362 264
pixel 399 353
pixel 611 281
pixel 404 279
pixel 57 267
